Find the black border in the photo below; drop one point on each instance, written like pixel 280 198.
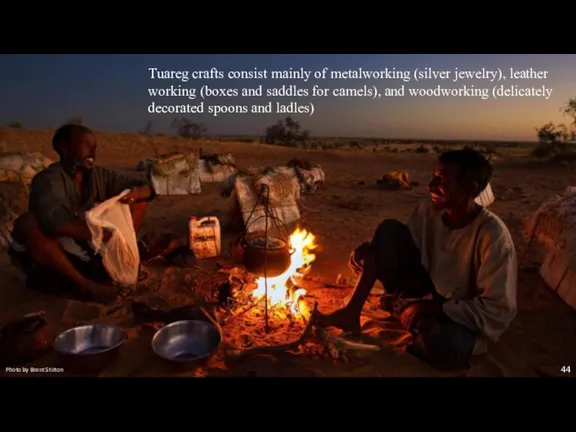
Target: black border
pixel 406 32
pixel 410 27
pixel 298 402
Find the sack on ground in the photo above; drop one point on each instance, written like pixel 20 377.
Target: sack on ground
pixel 120 254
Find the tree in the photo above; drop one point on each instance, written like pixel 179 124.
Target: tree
pixel 187 128
pixel 551 141
pixel 569 109
pixel 147 129
pixel 286 132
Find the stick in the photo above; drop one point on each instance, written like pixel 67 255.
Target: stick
pixel 338 347
pixel 337 286
pixel 200 268
pixel 212 319
pixel 236 354
pixel 308 209
pixel 241 310
pixel 379 319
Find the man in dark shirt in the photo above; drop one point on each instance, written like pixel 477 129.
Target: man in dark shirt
pixel 51 241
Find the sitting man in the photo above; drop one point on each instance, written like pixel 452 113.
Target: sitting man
pixel 449 274
pixel 52 241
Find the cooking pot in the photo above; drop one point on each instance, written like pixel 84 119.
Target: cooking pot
pixel 259 256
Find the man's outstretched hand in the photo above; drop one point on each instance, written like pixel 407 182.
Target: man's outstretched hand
pixel 356 261
pixel 138 193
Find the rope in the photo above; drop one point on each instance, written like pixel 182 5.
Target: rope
pixel 269 213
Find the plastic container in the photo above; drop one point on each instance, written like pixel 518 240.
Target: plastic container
pixel 204 237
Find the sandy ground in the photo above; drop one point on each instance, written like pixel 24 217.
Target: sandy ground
pixel 343 214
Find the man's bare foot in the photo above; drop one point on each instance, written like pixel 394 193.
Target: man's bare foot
pixel 103 294
pixel 341 319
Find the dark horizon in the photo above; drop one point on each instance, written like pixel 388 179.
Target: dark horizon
pixel 313 137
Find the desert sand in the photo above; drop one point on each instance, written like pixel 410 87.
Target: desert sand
pixel 341 215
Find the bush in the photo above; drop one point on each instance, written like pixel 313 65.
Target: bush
pixel 551 141
pixel 286 132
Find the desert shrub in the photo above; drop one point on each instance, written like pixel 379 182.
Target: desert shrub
pixel 186 128
pixel 569 109
pixel 489 149
pixel 551 141
pixel 286 132
pixel 421 149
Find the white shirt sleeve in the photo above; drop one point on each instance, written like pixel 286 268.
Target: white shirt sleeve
pixel 492 310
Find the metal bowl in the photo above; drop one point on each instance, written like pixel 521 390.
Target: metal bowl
pixel 186 341
pixel 89 348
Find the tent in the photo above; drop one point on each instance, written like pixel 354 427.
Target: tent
pixel 175 174
pixel 16 166
pixel 16 172
pixel 211 168
pixel 216 168
pixel 7 218
pixel 284 195
pixel 553 225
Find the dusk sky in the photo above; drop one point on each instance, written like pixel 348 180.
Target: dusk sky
pixel 111 93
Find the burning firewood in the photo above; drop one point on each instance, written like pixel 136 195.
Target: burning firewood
pixel 277 348
pixel 336 346
pixel 284 301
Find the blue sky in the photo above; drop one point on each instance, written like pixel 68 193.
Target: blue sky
pixel 111 93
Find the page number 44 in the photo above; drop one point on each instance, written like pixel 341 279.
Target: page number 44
pixel 565 369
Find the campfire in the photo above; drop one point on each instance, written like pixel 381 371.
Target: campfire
pixel 283 290
pixel 293 322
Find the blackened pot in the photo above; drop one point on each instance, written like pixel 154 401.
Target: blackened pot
pixel 271 259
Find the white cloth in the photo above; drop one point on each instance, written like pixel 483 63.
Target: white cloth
pixel 120 254
pixel 474 267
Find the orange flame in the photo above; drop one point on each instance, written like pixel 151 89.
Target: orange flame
pixel 282 290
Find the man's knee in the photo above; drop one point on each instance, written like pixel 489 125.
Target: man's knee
pixel 24 225
pixel 388 230
pixel 27 230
